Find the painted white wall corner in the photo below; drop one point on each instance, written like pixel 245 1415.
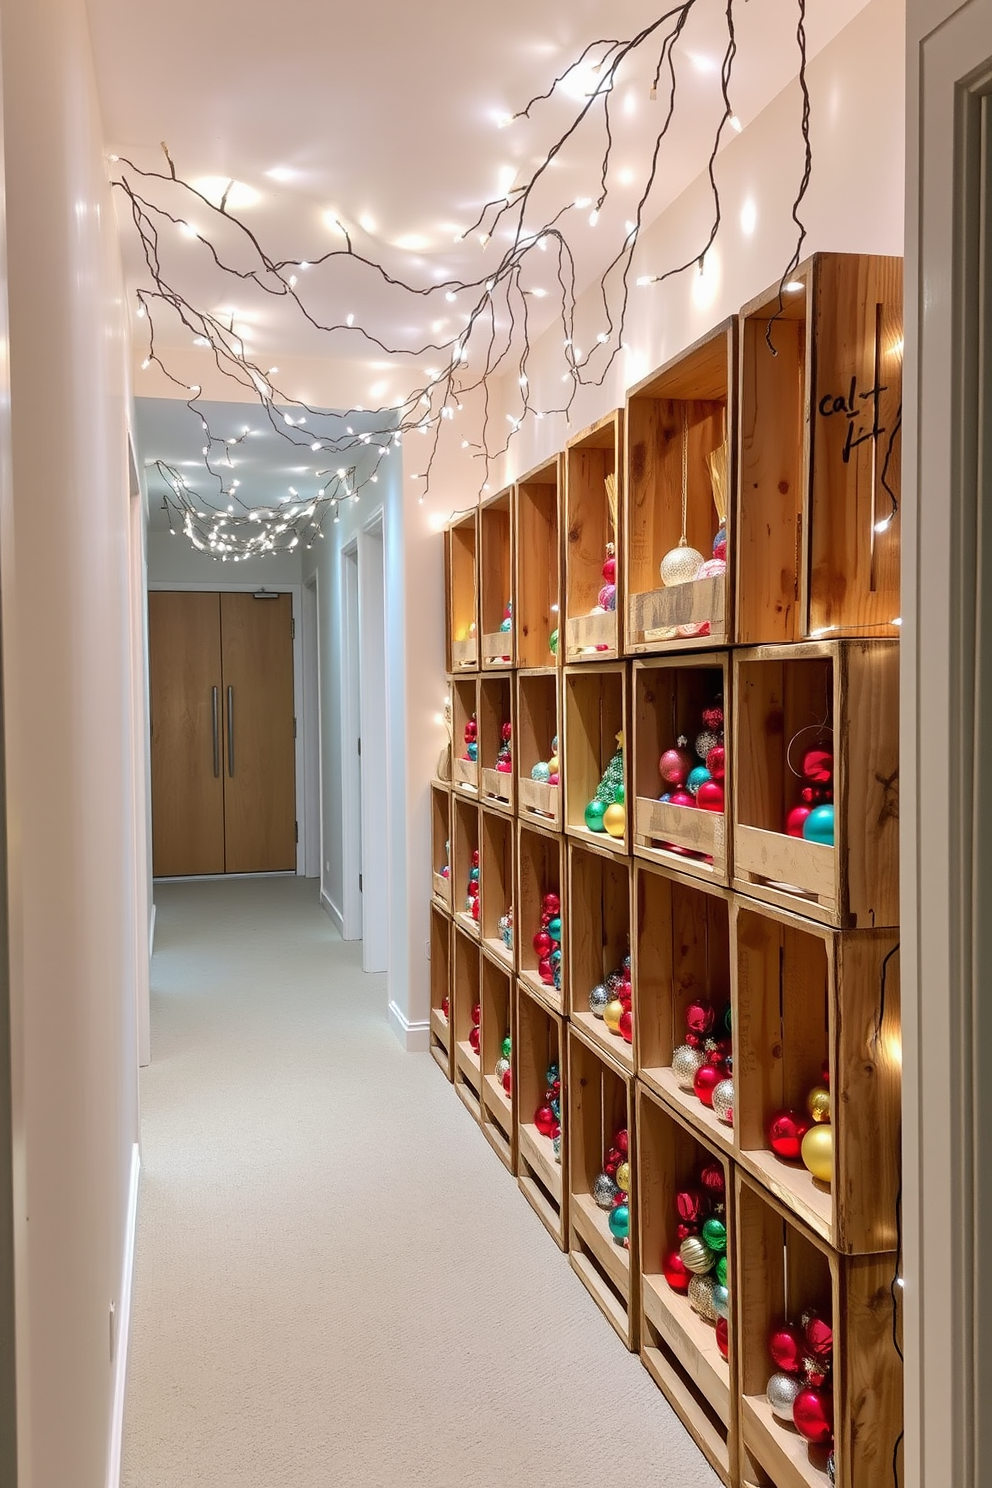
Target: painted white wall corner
pixel 123 1330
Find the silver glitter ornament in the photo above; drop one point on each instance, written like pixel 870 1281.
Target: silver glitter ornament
pixel 701 1289
pixel 831 1469
pixel 685 1062
pixel 556 1147
pixel 604 1191
pixel 723 1101
pixel 721 1301
pixel 706 741
pixel 598 998
pixel 696 1255
pixel 680 565
pixel 502 1065
pixel 782 1390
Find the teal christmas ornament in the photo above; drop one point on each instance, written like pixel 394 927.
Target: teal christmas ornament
pixel 721 1301
pixel 696 778
pixel 541 771
pixel 594 813
pixel 505 624
pixel 554 928
pixel 620 1222
pixel 472 751
pixel 473 873
pixel 819 826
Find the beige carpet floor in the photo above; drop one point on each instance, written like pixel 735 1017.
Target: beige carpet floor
pixel 336 1281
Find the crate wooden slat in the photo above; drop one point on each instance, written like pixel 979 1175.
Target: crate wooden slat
pixel 496 646
pixel 498 1110
pixel 539 1041
pixel 496 788
pixel 497 854
pixel 681 951
pixel 541 869
pixel 441 845
pixel 589 458
pixel 699 387
pixel 805 995
pixel 595 709
pixel 598 931
pixel 668 698
pixel 441 1042
pixel 678 1347
pixel 784 1268
pixel 466 832
pixel 466 994
pixel 818 447
pixel 778 691
pixel 600 1100
pixel 462 591
pixel 464 706
pixel 536 725
pixel 537 546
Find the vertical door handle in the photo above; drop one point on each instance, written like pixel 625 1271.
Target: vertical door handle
pixel 230 731
pixel 216 707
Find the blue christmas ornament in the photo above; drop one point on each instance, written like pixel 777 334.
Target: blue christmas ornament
pixel 819 826
pixel 697 777
pixel 620 1222
pixel 554 928
pixel 472 750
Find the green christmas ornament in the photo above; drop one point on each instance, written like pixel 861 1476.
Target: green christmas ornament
pixel 553 642
pixel 720 1270
pixel 715 1234
pixel 594 813
pixel 619 794
pixel 506 1047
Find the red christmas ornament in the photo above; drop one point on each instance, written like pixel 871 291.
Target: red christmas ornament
pixel 551 905
pixel 473 1038
pixel 813 1413
pixel 723 1336
pixel 475 907
pixel 819 1335
pixel 785 1133
pixel 610 570
pixel 818 766
pixel 794 820
pixel 710 797
pixel 699 1017
pixel 627 1026
pixel 692 1205
pixel 682 798
pixel 477 1014
pixel 815 1372
pixel 475 857
pixel 708 1077
pixel 712 1178
pixel 683 1231
pixel 508 1081
pixel 471 731
pixel 713 718
pixel 676 1273
pixel 716 761
pixel 507 731
pixel 674 766
pixel 621 1141
pixel 544 1120
pixel 787 1346
pixel 444 1006
pixel 825 1073
pixel 543 944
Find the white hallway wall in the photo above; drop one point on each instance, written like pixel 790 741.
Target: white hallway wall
pixel 76 865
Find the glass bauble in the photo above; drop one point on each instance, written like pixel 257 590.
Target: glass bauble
pixel 813 1415
pixel 612 1013
pixel 782 1390
pixel 819 826
pixel 680 565
pixel 721 1301
pixel 623 1177
pixel 723 1102
pixel 817 1152
pixel 620 1222
pixel 594 814
pixel 598 999
pixel 818 1103
pixel 615 819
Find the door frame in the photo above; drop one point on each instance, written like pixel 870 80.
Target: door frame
pixel 294 590
pixel 312 823
pixel 351 729
pixel 374 732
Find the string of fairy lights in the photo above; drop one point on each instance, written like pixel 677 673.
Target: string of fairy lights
pixel 345 452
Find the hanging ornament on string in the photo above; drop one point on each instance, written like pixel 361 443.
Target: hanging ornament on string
pixel 682 564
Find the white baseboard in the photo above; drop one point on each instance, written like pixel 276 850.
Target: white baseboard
pixel 123 1326
pixel 151 931
pixel 415 1037
pixel 329 907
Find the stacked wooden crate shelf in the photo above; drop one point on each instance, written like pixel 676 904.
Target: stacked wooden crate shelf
pixel 782 947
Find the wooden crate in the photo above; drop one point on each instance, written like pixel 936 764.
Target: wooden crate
pixel 496 853
pixel 441 845
pixel 784 1268
pixel 441 1043
pixel 779 691
pixel 589 458
pixel 600 1100
pixel 464 706
pixel 535 727
pixel 598 934
pixel 498 1110
pixel 694 396
pixel 496 648
pixel 805 996
pixel 541 869
pixel 820 452
pixel 538 1041
pixel 667 703
pixel 462 593
pixel 466 994
pixel 681 952
pixel 496 788
pixel 678 1347
pixel 465 838
pixel 537 586
pixel 595 709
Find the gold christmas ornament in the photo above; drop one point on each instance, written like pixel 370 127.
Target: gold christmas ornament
pixel 818 1103
pixel 818 1152
pixel 701 1289
pixel 615 819
pixel 696 1255
pixel 612 1013
pixel 623 1177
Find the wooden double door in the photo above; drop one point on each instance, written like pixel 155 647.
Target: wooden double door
pixel 223 733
